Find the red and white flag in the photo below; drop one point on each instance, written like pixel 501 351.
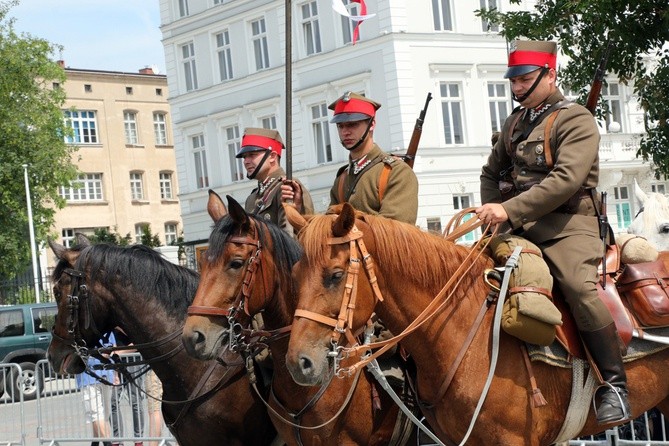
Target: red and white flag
pixel 340 8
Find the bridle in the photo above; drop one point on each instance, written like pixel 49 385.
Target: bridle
pixel 343 324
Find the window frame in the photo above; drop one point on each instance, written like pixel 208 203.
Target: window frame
pixel 83 124
pixel 320 131
pixel 199 151
pixel 189 66
pixel 311 28
pixel 137 185
pixel 91 187
pixel 160 128
pixel 224 55
pixel 452 100
pixel 233 143
pixel 259 43
pixel 166 185
pixel 130 127
pixel 438 15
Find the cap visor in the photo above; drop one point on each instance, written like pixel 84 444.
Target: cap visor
pixel 519 70
pixel 349 117
pixel 247 149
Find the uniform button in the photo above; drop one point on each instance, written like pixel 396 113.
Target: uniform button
pixel 541 138
pixel 521 146
pixel 524 220
pixel 523 172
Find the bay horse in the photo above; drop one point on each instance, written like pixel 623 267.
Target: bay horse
pixel 247 253
pixel 412 267
pixel 99 287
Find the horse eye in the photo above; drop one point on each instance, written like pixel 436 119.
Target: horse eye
pixel 236 264
pixel 333 279
pixel 664 229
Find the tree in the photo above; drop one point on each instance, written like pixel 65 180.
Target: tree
pixel 638 31
pixel 32 132
pixel 104 235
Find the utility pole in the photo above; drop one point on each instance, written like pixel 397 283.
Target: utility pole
pixel 33 250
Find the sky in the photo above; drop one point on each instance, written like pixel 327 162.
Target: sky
pixel 110 35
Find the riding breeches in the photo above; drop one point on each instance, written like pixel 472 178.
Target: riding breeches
pixel 573 261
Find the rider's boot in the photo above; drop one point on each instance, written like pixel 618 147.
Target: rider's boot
pixel 604 348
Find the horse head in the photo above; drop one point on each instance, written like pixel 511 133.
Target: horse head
pixel 332 286
pixel 239 277
pixel 652 220
pixel 75 329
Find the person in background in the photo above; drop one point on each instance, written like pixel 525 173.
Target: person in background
pixel 261 151
pixel 541 181
pixel 154 389
pixel 95 395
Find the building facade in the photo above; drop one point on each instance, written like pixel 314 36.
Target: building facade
pixel 226 71
pixel 122 127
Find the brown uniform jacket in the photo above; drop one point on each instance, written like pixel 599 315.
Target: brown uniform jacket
pixel 400 199
pixel 269 204
pixel 542 191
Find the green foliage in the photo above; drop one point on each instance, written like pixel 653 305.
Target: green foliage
pixel 149 239
pixel 638 31
pixel 104 235
pixel 31 132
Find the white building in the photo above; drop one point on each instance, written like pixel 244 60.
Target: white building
pixel 225 70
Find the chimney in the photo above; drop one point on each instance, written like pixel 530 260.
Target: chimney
pixel 61 63
pixel 146 70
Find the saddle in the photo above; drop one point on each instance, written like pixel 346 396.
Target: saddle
pixel 637 295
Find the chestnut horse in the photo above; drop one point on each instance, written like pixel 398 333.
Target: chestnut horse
pixel 136 289
pixel 412 267
pixel 247 253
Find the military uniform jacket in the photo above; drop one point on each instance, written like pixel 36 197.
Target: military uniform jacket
pixel 574 141
pixel 400 199
pixel 268 204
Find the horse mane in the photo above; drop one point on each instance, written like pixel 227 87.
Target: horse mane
pixel 403 250
pixel 143 269
pixel 286 250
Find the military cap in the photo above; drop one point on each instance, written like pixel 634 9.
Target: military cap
pixel 256 140
pixel 353 107
pixel 526 56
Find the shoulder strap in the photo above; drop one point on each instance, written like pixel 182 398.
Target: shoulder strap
pixel 383 180
pixel 340 186
pixel 548 151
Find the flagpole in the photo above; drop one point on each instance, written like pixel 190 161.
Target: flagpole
pixel 289 92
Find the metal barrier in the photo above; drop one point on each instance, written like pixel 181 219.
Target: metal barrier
pixel 61 417
pixel 12 416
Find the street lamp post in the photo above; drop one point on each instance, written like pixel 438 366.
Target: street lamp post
pixel 33 250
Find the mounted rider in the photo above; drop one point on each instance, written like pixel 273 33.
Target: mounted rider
pixel 540 179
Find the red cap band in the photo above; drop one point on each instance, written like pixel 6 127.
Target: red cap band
pixel 262 141
pixel 537 58
pixel 355 106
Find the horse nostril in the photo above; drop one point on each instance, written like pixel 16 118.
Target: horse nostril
pixel 305 363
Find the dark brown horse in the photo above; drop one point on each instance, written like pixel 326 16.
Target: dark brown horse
pixel 247 266
pixel 412 266
pixel 137 290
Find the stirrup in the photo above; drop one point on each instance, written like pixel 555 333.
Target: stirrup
pixel 624 404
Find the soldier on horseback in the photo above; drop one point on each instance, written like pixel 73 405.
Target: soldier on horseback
pixel 540 179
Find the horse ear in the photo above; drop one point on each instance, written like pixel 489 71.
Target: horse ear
pixel 57 248
pixel 82 240
pixel 62 253
pixel 640 194
pixel 215 206
pixel 344 222
pixel 237 212
pixel 296 220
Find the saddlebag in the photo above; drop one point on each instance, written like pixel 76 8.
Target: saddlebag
pixel 645 287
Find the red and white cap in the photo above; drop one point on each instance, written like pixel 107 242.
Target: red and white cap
pixel 526 56
pixel 257 139
pixel 353 107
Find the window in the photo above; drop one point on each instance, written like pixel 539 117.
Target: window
pixel 87 187
pixel 233 142
pixel 159 91
pixel 268 122
pixel 311 29
pixel 136 187
pixel 659 188
pixel 613 99
pixel 83 127
pixel 160 128
pixel 224 55
pixel 441 14
pixel 623 204
pixel 55 85
pixel 498 101
pixel 130 127
pixel 200 159
pixel 165 179
pixel 44 319
pixel 183 8
pixel 485 25
pixel 128 90
pixel 170 233
pixel 68 237
pixel 451 109
pixel 434 224
pixel 461 202
pixel 190 72
pixel 88 88
pixel 259 38
pixel 11 323
pixel 348 25
pixel 319 125
pixel 140 229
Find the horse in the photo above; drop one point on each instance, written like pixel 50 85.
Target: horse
pixel 99 287
pixel 652 220
pixel 452 359
pixel 247 253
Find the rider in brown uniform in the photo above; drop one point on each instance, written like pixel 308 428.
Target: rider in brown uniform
pixel 361 181
pixel 261 151
pixel 549 198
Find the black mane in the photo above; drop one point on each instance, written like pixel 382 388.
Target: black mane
pixel 142 269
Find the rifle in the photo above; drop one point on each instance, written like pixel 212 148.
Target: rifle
pixel 410 156
pixel 603 233
pixel 596 88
